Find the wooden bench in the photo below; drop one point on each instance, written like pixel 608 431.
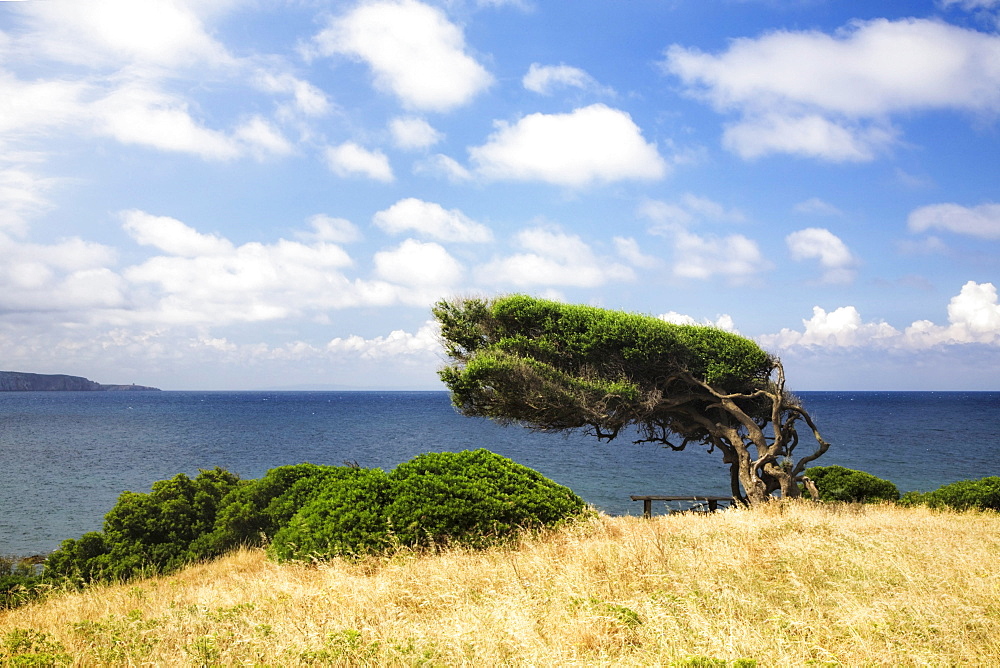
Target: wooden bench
pixel 711 501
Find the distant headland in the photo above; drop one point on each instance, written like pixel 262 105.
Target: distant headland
pixel 18 381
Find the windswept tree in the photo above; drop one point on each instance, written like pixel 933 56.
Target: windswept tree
pixel 557 368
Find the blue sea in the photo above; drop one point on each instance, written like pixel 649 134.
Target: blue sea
pixel 66 456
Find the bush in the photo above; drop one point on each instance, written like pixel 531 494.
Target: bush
pixel 836 483
pixel 309 511
pixel 982 494
pixel 473 498
pixel 344 517
pixel 254 512
pixel 147 532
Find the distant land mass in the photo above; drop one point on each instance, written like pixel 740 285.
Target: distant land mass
pixel 18 381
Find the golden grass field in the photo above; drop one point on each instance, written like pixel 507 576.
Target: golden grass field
pixel 788 584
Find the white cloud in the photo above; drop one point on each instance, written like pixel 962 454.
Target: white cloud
pixel 839 328
pixel 307 99
pixel 689 209
pixel 816 206
pixel 172 236
pixel 140 114
pixel 553 258
pixel 431 220
pixel 332 230
pixel 444 166
pixel 102 33
pixel 544 79
pixel 591 144
pixel 823 245
pixel 204 279
pixel 724 321
pixel 261 138
pixel 22 195
pixel 349 159
pixel 981 221
pixel 735 256
pixel 809 135
pixel 422 271
pixel 827 96
pixel 973 318
pixel 398 343
pixel 70 276
pixel 628 248
pixel 413 133
pixel 415 52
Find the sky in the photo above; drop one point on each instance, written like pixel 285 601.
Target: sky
pixel 271 194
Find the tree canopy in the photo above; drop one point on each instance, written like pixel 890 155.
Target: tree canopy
pixel 559 367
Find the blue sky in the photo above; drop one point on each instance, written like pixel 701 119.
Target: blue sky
pixel 250 194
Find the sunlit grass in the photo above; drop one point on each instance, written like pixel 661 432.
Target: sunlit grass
pixel 781 585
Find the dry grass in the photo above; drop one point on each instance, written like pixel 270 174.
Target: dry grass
pixel 784 585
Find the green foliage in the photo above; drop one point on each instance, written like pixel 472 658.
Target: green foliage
pixel 344 517
pixel 147 532
pixel 836 483
pixel 473 498
pixel 982 494
pixel 29 647
pixel 308 511
pixel 251 514
pixel 557 366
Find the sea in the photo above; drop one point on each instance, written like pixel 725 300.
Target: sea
pixel 66 456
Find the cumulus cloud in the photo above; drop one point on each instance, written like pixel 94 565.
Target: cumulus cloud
pixel 981 221
pixel 544 79
pixel 973 317
pixel 102 33
pixel 307 99
pixel 350 159
pixel 827 96
pixel 398 343
pixel 201 278
pixel 330 229
pixel 443 166
pixel 689 209
pixel 71 276
pixel 414 51
pixel 817 206
pixel 823 245
pixel 734 256
pixel 553 258
pixel 591 144
pixel 628 248
pixel 413 133
pixel 724 321
pixel 431 220
pixel 425 271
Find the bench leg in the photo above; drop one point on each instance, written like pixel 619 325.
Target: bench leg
pixel 647 508
pixel 713 505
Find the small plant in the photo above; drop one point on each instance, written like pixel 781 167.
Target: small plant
pixel 836 483
pixel 982 494
pixel 28 647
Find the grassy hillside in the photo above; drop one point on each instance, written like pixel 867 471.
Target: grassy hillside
pixel 782 585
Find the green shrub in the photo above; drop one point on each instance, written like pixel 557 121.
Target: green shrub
pixel 982 494
pixel 309 511
pixel 252 514
pixel 344 517
pixel 473 498
pixel 147 532
pixel 836 483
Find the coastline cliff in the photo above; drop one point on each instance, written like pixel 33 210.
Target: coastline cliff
pixel 19 381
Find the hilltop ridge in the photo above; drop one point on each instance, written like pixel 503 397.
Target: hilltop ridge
pixel 20 381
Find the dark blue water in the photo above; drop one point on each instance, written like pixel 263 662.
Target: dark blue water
pixel 66 456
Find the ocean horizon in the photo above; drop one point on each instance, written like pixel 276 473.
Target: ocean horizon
pixel 68 455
